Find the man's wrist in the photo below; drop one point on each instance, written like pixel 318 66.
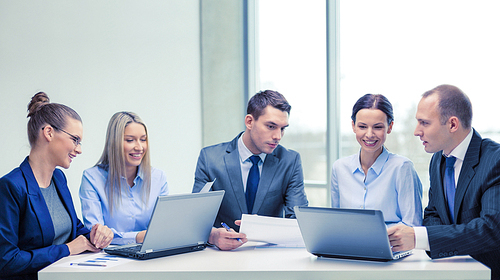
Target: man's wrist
pixel 211 237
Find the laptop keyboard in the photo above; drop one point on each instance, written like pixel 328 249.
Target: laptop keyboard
pixel 401 254
pixel 131 249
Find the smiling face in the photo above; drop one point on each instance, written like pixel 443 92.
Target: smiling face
pixel 371 129
pixel 135 145
pixel 63 148
pixel 263 135
pixel 434 135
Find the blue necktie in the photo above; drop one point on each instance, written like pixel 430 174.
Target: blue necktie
pixel 252 182
pixel 449 184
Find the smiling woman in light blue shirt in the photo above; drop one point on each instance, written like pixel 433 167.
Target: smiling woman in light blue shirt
pixel 374 178
pixel 121 189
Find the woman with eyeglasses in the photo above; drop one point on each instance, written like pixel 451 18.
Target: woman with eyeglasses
pixel 38 224
pixel 121 189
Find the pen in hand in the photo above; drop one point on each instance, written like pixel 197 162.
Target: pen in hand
pixel 229 229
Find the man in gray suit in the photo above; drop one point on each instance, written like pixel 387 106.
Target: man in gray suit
pixel 259 176
pixel 463 214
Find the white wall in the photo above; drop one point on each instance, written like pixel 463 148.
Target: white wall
pixel 100 57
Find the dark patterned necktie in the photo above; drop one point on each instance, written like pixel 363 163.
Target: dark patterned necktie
pixel 252 182
pixel 449 184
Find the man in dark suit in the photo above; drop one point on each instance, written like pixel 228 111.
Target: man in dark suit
pixel 259 176
pixel 469 224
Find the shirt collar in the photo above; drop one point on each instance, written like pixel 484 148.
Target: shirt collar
pixel 460 150
pixel 377 165
pixel 381 160
pixel 245 152
pixel 140 174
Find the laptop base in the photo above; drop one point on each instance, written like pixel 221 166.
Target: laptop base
pixel 397 256
pixel 351 257
pixel 155 254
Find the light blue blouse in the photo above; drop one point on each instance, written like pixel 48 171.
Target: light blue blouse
pixel 391 185
pixel 133 213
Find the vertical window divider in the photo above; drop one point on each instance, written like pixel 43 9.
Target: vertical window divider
pixel 333 134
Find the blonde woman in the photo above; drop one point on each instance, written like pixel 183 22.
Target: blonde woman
pixel 121 189
pixel 38 224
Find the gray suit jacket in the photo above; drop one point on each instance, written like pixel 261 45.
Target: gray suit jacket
pixel 476 231
pixel 281 185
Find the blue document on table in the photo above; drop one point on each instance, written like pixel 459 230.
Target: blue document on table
pixel 179 224
pixel 346 233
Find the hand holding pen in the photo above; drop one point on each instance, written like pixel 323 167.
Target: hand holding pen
pixel 226 238
pixel 229 229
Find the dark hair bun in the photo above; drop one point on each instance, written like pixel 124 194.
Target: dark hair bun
pixel 37 102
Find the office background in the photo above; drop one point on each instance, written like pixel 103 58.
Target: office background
pixel 100 57
pixel 187 67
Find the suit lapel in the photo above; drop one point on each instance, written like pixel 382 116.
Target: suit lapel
pixel 233 169
pixel 266 178
pixel 38 205
pixel 467 172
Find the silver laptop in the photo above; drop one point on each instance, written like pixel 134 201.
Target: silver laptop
pixel 345 233
pixel 179 224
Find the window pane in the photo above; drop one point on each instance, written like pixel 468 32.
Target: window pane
pixel 292 60
pixel 403 48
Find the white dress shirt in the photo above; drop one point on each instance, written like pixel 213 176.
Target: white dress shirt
pixel 245 162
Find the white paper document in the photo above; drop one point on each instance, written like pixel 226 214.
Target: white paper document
pixel 207 186
pixel 280 231
pixel 94 261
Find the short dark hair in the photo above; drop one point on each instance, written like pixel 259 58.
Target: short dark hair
pixel 373 101
pixel 452 102
pixel 262 99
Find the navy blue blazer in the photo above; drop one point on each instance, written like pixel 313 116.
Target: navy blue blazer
pixel 476 231
pixel 281 185
pixel 26 228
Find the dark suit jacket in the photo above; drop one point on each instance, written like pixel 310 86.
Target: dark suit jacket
pixel 281 185
pixel 26 228
pixel 477 206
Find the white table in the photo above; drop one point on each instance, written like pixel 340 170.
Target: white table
pixel 250 262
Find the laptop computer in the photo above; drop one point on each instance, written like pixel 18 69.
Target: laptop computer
pixel 358 234
pixel 179 224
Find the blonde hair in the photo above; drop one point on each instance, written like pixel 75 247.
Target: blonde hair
pixel 113 158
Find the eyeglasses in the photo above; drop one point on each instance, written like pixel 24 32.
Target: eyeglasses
pixel 76 140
